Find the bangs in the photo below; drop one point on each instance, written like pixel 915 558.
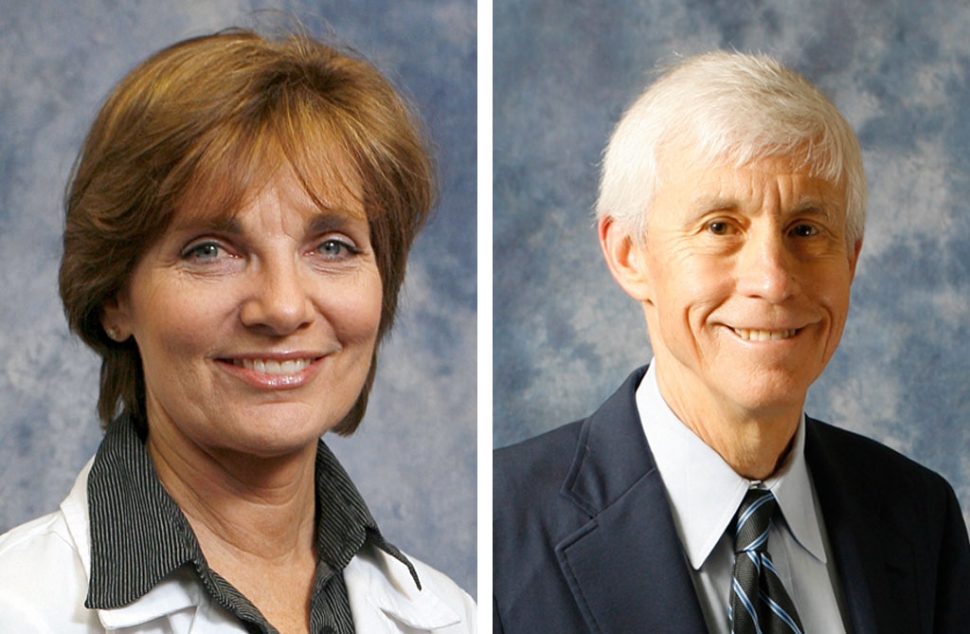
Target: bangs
pixel 237 160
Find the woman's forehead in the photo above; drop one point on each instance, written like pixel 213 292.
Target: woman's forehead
pixel 328 185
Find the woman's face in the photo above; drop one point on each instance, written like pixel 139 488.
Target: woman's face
pixel 256 332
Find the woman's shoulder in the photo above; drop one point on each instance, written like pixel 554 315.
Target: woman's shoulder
pixel 455 597
pixel 51 526
pixel 42 579
pixel 59 536
pixel 383 595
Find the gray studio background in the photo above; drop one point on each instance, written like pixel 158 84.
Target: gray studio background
pixel 414 456
pixel 565 335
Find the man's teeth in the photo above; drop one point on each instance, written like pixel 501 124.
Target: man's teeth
pixel 269 366
pixel 764 335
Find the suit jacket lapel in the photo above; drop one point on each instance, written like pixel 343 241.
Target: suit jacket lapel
pixel 869 553
pixel 626 566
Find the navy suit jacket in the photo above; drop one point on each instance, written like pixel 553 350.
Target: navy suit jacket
pixel 584 540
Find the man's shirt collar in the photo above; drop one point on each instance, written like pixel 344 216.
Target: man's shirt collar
pixel 705 492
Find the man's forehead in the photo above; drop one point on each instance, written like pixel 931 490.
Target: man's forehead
pixel 738 160
pixel 723 184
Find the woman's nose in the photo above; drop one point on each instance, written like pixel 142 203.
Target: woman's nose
pixel 277 301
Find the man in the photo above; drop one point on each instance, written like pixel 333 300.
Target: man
pixel 732 208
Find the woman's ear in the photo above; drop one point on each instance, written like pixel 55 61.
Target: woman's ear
pixel 114 319
pixel 626 258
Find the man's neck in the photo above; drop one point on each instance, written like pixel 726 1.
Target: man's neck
pixel 754 443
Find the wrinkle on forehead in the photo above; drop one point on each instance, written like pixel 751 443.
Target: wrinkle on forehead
pixel 759 185
pixel 805 157
pixel 782 180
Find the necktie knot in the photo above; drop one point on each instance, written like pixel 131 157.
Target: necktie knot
pixel 752 521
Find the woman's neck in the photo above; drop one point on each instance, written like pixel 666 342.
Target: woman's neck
pixel 254 519
pixel 255 507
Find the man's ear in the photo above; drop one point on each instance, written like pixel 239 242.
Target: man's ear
pixel 626 259
pixel 854 258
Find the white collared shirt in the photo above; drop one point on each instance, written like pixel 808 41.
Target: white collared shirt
pixel 705 493
pixel 45 567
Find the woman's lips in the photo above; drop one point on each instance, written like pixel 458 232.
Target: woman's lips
pixel 272 366
pixel 281 372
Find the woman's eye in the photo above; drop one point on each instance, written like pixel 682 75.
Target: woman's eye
pixel 334 248
pixel 203 251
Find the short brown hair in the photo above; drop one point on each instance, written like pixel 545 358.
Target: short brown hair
pixel 200 122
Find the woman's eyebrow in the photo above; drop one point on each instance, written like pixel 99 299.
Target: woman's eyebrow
pixel 332 219
pixel 226 223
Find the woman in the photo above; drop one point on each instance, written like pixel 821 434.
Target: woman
pixel 238 224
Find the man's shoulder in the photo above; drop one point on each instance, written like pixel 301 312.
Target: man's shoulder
pixel 547 458
pixel 548 452
pixel 528 478
pixel 879 504
pixel 874 476
pixel 873 460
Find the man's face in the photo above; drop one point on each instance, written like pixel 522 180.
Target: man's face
pixel 747 272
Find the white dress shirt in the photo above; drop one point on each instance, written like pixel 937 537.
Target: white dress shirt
pixel 45 567
pixel 705 493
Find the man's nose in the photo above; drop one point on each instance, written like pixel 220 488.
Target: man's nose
pixel 766 267
pixel 277 301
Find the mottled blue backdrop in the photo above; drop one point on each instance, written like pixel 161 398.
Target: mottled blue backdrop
pixel 414 456
pixel 566 335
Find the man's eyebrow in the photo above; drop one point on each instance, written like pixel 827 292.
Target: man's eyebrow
pixel 701 205
pixel 705 203
pixel 814 207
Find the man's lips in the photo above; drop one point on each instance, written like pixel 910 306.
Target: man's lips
pixel 753 334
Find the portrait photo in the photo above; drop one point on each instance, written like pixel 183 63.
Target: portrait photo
pixel 403 345
pixel 730 313
pixel 566 334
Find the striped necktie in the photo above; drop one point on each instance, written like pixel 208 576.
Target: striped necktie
pixel 759 602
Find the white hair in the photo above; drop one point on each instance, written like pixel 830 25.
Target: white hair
pixel 734 108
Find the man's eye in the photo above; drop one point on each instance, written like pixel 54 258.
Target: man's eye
pixel 719 227
pixel 803 231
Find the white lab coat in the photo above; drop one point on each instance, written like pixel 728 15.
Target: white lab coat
pixel 45 565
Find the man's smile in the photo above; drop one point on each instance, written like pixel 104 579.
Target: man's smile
pixel 749 334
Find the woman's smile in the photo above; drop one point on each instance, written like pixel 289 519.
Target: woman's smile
pixel 263 324
pixel 274 372
pixel 271 366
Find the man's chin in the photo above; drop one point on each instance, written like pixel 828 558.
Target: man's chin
pixel 769 401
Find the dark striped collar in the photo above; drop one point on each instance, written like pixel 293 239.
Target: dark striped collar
pixel 139 535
